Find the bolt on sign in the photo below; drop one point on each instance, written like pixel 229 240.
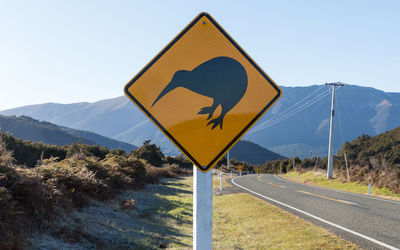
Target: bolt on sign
pixel 203 91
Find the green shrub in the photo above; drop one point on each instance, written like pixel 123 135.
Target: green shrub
pixel 28 153
pixel 149 152
pixel 86 150
pixel 179 160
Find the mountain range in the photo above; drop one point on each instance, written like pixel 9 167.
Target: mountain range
pixel 297 124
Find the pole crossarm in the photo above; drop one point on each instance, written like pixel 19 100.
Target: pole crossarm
pixel 335 84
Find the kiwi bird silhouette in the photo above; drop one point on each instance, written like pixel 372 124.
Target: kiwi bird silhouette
pixel 221 78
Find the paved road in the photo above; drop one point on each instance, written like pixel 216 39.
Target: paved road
pixel 371 223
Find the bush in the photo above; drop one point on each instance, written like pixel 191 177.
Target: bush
pixel 86 150
pixel 149 152
pixel 28 153
pixel 179 160
pixel 6 157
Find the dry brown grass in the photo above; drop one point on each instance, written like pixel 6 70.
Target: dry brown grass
pixel 33 198
pixel 128 204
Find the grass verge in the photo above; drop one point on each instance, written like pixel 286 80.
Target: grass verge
pixel 240 221
pixel 319 178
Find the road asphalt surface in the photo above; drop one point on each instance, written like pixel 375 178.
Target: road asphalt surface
pixel 371 223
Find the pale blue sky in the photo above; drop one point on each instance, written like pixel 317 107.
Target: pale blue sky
pixel 71 51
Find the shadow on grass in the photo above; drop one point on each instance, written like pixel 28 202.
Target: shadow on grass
pixel 160 217
pixel 163 216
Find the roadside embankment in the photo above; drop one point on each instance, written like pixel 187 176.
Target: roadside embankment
pixel 319 178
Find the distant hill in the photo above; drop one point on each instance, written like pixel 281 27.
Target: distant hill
pixel 362 110
pixel 27 128
pixel 252 153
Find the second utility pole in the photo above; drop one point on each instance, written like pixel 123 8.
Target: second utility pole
pixel 330 150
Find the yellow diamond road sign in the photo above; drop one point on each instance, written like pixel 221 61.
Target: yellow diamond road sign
pixel 203 91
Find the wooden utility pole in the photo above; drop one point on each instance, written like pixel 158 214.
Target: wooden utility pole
pixel 330 149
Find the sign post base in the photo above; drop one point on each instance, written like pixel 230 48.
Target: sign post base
pixel 202 209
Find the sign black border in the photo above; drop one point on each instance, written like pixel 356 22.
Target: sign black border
pixel 241 133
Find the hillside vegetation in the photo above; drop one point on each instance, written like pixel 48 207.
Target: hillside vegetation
pixel 68 177
pixel 27 128
pixel 377 157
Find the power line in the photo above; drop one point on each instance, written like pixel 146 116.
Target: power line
pixel 302 100
pixel 341 133
pixel 300 108
pixel 284 116
pixel 283 112
pixel 340 122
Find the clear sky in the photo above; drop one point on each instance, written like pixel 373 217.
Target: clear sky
pixel 73 50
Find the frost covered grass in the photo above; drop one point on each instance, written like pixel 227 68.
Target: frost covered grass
pixel 161 217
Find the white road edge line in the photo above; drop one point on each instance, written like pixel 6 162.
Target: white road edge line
pixel 344 192
pixel 280 179
pixel 318 218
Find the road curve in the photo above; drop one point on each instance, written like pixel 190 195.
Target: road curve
pixel 371 223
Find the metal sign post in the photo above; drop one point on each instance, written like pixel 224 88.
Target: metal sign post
pixel 220 180
pixel 227 160
pixel 240 168
pixel 202 209
pixel 369 186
